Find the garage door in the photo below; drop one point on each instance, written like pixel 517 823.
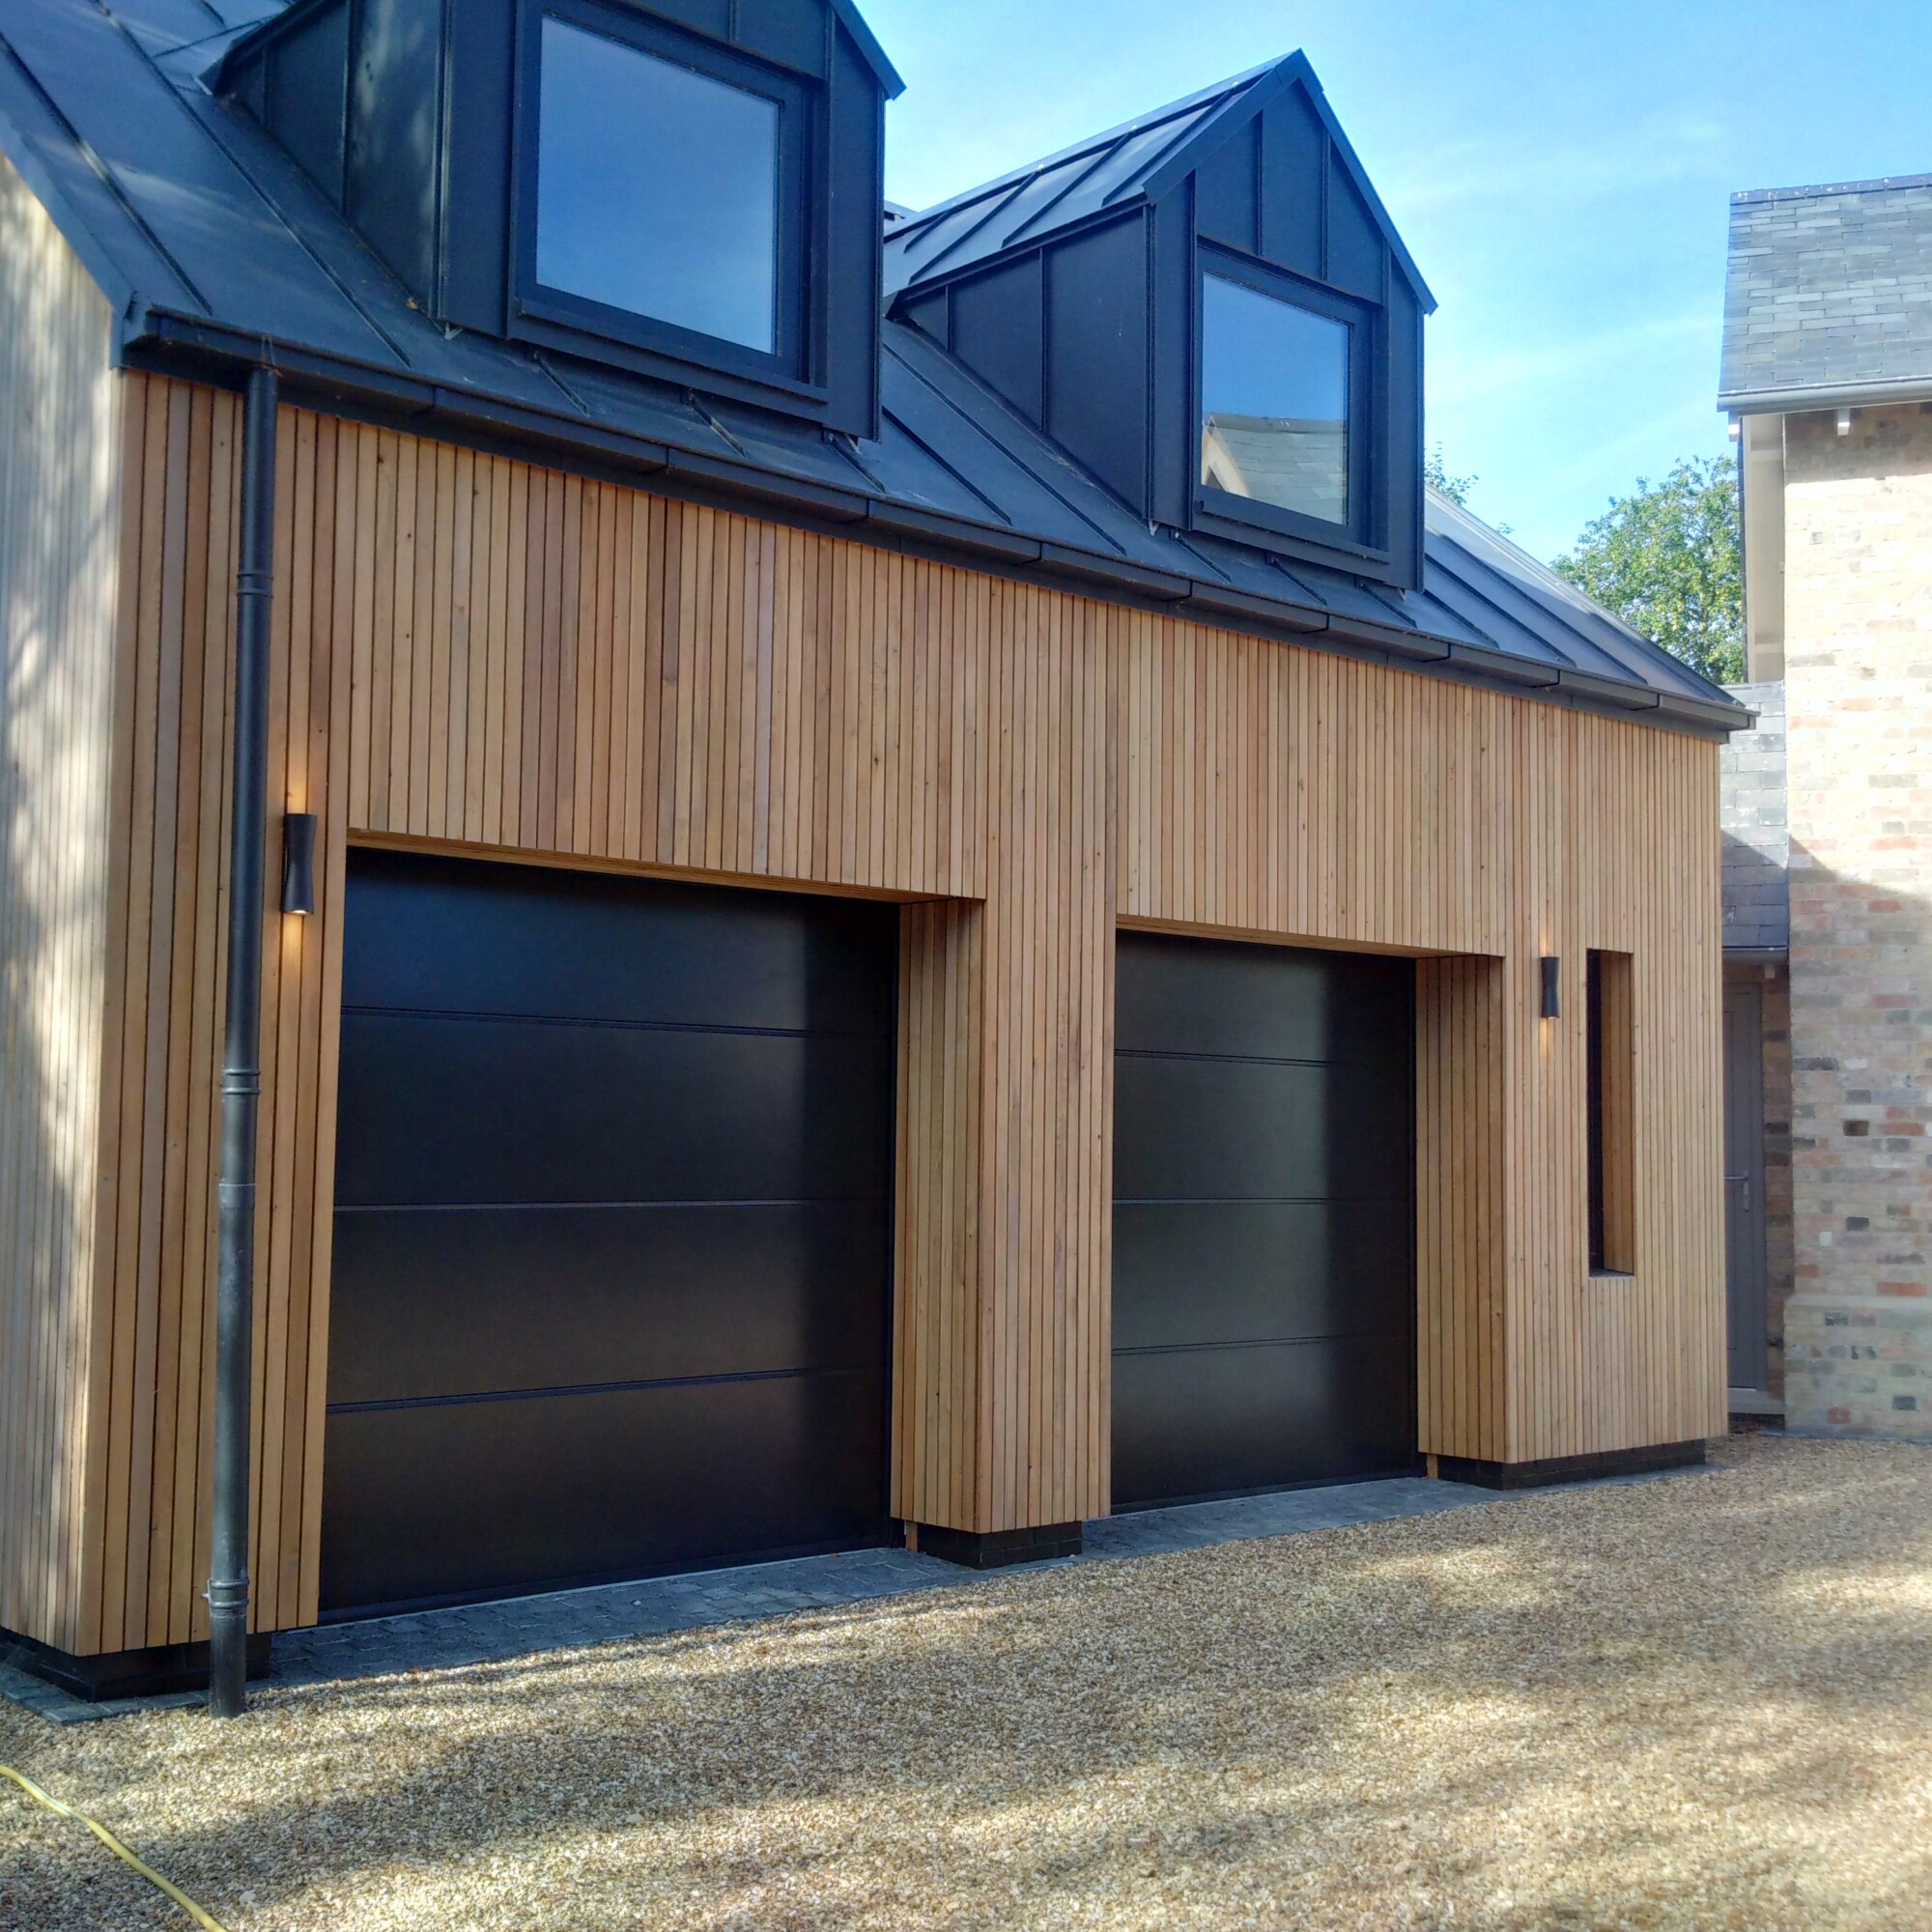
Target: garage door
pixel 1264 1179
pixel 611 1236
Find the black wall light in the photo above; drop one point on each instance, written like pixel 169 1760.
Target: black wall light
pixel 299 861
pixel 1552 974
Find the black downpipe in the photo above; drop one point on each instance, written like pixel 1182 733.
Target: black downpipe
pixel 241 1055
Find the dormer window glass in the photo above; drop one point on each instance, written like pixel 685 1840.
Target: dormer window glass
pixel 657 188
pixel 663 193
pixel 1275 386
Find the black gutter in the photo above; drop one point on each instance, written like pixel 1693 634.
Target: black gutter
pixel 171 344
pixel 242 1056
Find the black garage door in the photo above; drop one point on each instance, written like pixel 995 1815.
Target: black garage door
pixel 1264 1188
pixel 611 1238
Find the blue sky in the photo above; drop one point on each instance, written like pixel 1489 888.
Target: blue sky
pixel 1559 169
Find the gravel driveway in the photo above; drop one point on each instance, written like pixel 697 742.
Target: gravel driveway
pixel 1704 1701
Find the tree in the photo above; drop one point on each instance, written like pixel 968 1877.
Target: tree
pixel 1668 560
pixel 1456 488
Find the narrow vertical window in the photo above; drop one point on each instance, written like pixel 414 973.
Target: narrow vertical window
pixel 1612 1104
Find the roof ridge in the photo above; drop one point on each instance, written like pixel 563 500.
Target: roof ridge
pixel 1138 124
pixel 1819 189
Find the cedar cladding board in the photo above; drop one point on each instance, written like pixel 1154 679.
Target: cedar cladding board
pixel 491 651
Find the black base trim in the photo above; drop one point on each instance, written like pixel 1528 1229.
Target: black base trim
pixel 156 1672
pixel 1570 1468
pixel 996 1549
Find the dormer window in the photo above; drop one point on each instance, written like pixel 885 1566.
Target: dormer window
pixel 1284 374
pixel 665 202
pixel 1274 401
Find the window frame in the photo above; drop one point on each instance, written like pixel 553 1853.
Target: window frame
pixel 539 312
pixel 1240 516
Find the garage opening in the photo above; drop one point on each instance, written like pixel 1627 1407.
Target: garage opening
pixel 1263 1219
pixel 614 1188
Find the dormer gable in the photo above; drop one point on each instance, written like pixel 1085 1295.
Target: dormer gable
pixel 689 188
pixel 1209 308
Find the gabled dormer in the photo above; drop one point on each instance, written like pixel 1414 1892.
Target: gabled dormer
pixel 1210 310
pixel 690 188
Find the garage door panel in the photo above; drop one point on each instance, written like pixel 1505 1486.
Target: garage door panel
pixel 1224 1129
pixel 1212 997
pixel 1205 1422
pixel 507 1111
pixel 441 1502
pixel 461 1302
pixel 1249 1271
pixel 455 936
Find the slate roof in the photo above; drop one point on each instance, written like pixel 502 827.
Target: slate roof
pixel 1828 298
pixel 1136 161
pixel 215 252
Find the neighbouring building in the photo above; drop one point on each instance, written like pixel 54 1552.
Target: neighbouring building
pixel 1827 807
pixel 912 888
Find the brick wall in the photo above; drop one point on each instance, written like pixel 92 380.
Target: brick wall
pixel 1757 899
pixel 1858 697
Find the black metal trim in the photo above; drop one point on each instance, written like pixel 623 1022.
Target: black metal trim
pixel 999 1549
pixel 159 1671
pixel 1571 1468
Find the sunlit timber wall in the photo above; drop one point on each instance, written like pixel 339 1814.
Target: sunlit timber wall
pixel 473 653
pixel 60 500
pixel 1858 632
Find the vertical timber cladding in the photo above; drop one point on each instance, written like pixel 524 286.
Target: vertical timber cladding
pixel 474 652
pixel 478 653
pixel 60 813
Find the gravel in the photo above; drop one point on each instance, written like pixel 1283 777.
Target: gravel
pixel 1700 1702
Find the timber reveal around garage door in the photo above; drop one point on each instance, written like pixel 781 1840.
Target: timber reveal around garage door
pixel 613 1238
pixel 1263 1219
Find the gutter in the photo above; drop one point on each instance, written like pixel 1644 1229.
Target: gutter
pixel 1827 396
pixel 428 407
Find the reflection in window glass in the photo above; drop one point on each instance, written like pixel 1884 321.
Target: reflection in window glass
pixel 657 188
pixel 1274 401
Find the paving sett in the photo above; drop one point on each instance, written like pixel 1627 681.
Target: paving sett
pixel 1696 1701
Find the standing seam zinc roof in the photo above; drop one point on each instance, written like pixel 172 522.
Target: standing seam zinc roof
pixel 214 249
pixel 1829 293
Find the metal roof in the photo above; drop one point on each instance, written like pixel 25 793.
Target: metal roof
pixel 216 251
pixel 1135 163
pixel 1827 297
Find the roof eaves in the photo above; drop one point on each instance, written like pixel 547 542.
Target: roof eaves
pixel 1826 396
pixel 81 195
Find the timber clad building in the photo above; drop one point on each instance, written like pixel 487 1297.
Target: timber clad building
pixel 942 899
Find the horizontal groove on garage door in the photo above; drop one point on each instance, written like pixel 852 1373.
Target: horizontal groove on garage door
pixel 613 1233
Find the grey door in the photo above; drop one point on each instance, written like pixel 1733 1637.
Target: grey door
pixel 1264 1245
pixel 613 1230
pixel 1744 1183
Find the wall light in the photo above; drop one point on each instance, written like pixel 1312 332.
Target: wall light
pixel 1844 422
pixel 299 861
pixel 1552 974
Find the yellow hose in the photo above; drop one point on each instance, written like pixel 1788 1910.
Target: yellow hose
pixel 115 1846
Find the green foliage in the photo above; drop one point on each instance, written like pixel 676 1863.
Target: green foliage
pixel 1667 559
pixel 1456 488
